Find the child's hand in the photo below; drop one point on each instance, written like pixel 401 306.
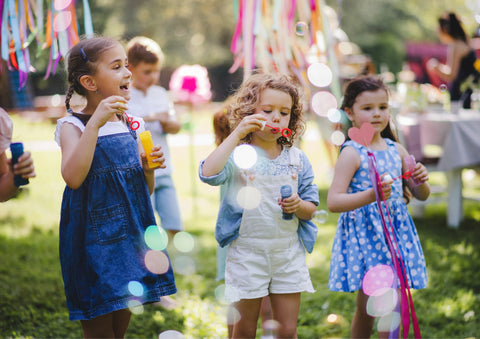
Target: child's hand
pixel 386 185
pixel 107 108
pixel 158 157
pixel 24 166
pixel 249 124
pixel 291 204
pixel 420 174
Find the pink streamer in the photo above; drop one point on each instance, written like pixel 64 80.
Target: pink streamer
pixel 406 297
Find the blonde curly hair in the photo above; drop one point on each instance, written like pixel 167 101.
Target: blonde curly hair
pixel 247 98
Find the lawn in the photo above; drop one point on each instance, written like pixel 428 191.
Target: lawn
pixel 32 302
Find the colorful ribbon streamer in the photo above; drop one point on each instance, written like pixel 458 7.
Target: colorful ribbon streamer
pixel 23 21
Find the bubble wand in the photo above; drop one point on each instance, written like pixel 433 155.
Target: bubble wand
pixel 286 132
pixel 363 136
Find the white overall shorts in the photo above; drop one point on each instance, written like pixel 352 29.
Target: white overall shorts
pixel 267 257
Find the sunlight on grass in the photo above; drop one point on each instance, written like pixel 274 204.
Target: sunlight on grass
pixel 31 288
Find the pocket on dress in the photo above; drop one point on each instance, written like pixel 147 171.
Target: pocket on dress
pixel 109 224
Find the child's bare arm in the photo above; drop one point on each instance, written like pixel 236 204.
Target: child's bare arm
pixel 216 161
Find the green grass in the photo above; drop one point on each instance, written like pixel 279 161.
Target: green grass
pixel 32 302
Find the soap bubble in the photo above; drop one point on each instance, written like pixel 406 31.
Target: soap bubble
pixel 320 216
pixel 301 28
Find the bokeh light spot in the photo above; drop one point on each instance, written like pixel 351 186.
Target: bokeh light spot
pixel 319 74
pixel 244 156
pixel 135 288
pixel 332 318
pixel 171 334
pixel 378 279
pixel 157 262
pixel 380 305
pixel 334 115
pixel 220 293
pixel 337 138
pixel 62 21
pixel 156 238
pixel 184 265
pixel 184 242
pixel 322 102
pixel 248 197
pixel 135 306
pixel 60 5
pixel 389 323
pixel 233 316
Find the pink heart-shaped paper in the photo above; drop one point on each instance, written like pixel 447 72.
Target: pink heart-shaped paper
pixel 362 135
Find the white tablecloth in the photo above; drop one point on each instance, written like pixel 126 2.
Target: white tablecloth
pixel 458 135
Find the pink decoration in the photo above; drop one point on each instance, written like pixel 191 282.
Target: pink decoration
pixel 362 135
pixel 190 83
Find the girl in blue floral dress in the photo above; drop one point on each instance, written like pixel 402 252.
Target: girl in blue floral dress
pixel 360 243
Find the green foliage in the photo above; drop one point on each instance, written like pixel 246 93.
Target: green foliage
pixel 32 300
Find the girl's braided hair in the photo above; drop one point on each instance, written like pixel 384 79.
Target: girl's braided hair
pixel 82 60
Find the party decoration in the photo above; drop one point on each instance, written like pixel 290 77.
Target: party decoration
pixel 23 22
pixel 189 84
pixel 364 136
pixel 287 36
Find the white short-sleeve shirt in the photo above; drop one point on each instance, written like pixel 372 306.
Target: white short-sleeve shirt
pixel 110 127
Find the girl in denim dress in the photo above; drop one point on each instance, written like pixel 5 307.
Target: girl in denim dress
pixel 106 204
pixel 266 253
pixel 360 243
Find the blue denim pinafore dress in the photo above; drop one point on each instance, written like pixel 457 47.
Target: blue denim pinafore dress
pixel 102 225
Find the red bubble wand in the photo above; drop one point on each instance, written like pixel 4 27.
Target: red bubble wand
pixel 364 136
pixel 286 132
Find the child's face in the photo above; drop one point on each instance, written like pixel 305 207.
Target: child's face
pixel 112 76
pixel 371 107
pixel 145 75
pixel 275 106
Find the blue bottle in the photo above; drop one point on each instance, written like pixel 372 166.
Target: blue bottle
pixel 17 150
pixel 285 192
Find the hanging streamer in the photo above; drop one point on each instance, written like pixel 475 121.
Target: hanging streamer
pixel 23 21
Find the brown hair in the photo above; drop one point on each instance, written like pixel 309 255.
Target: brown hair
pixel 371 83
pixel 221 124
pixel 143 49
pixel 82 60
pixel 247 98
pixel 366 83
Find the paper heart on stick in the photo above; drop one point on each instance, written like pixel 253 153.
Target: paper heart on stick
pixel 362 135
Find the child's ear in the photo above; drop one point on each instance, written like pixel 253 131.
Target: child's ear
pixel 88 82
pixel 348 112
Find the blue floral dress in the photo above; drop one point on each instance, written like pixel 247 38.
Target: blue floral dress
pixel 360 242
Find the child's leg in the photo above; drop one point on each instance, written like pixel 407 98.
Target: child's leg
pixel 266 309
pixel 111 325
pixel 246 327
pixel 285 308
pixel 362 323
pixel 121 319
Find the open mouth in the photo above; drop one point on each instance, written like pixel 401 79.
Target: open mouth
pixel 124 87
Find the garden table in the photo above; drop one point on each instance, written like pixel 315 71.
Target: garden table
pixel 458 138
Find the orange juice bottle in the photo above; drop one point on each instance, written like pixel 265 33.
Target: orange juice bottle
pixel 147 143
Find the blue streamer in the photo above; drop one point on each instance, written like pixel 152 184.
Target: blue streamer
pixel 87 19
